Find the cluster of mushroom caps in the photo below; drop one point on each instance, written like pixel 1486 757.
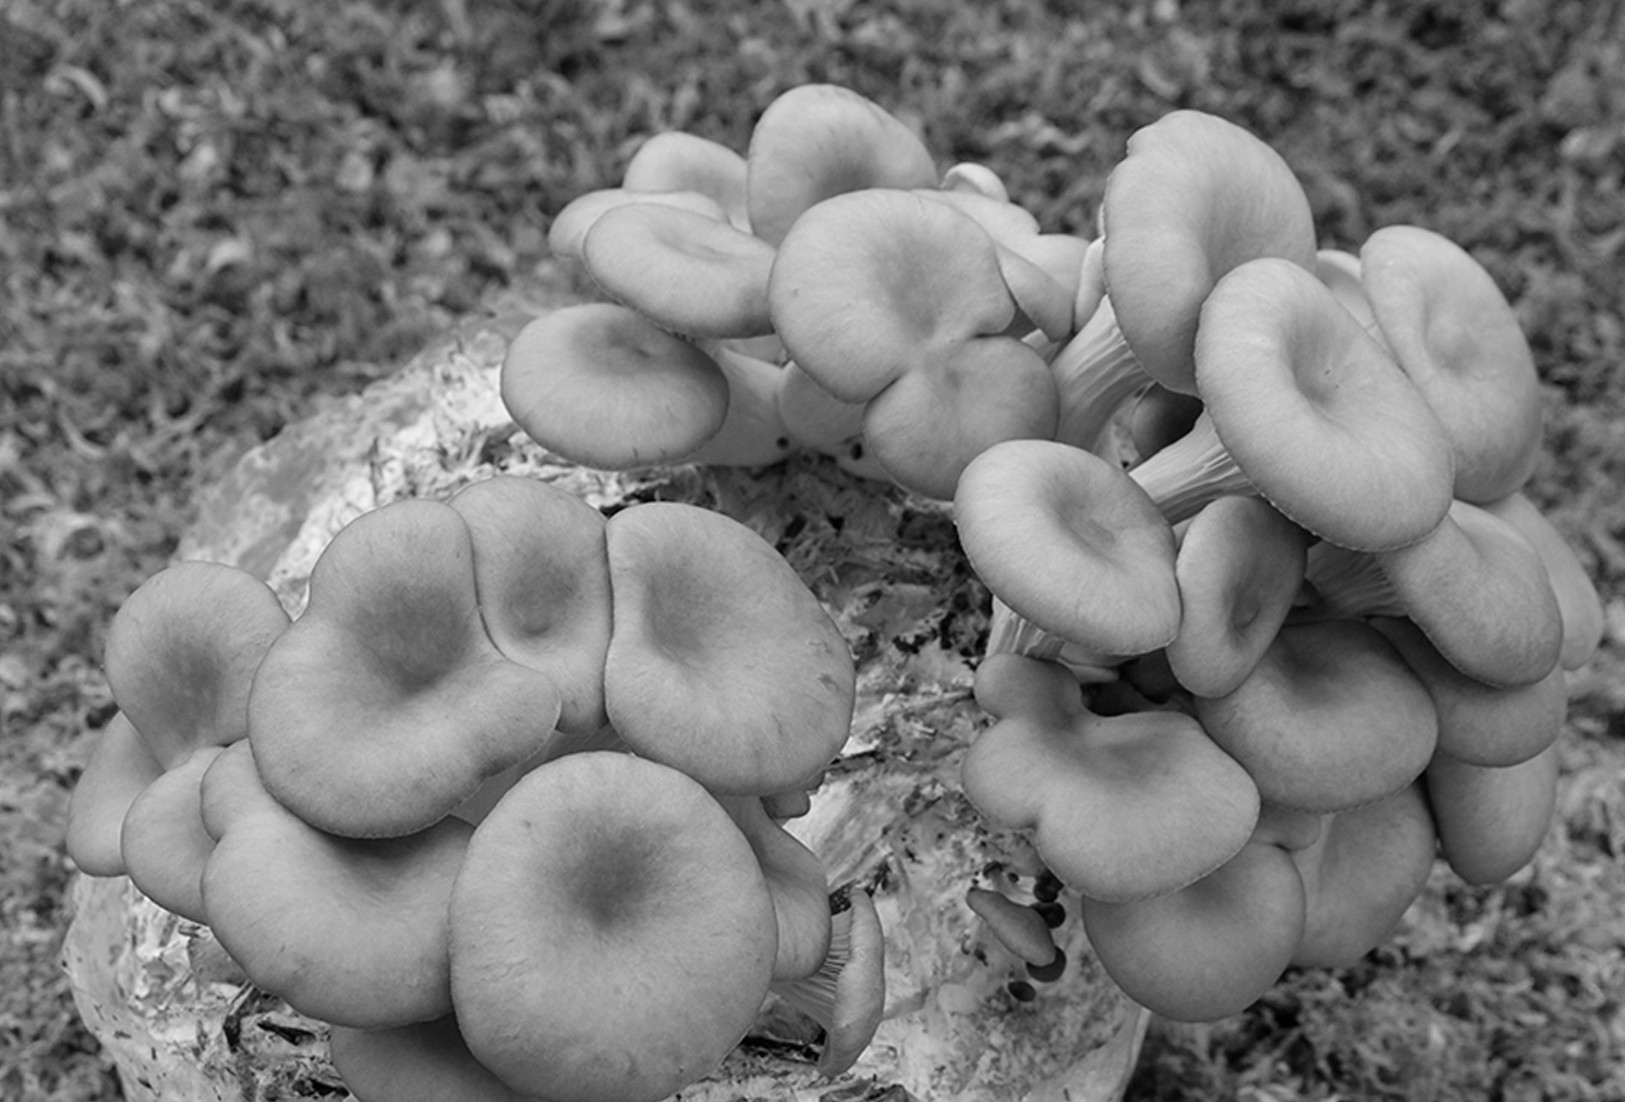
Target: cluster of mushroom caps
pixel 504 804
pixel 1274 621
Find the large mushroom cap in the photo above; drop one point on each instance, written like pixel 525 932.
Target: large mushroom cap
pixel 1492 820
pixel 1316 413
pixel 163 841
pixel 417 1062
pixel 1120 808
pixel 612 936
pixel 386 704
pixel 674 160
pixel 182 651
pixel 816 141
pixel 603 386
pixel 721 661
pixel 1456 336
pixel 1071 544
pixel 1194 197
pixel 350 931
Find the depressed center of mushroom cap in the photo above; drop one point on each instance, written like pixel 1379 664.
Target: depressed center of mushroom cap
pixel 1315 412
pixel 605 387
pixel 1194 197
pixel 1070 543
pixel 612 936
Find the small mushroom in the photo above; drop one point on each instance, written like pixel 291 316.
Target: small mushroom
pixel 181 653
pixel 1120 807
pixel 567 236
pixel 386 704
pixel 1492 820
pixel 163 841
pixel 721 661
pixel 1071 544
pixel 1210 949
pixel 1361 875
pixel 120 767
pixel 815 141
pixel 612 935
pixel 1330 717
pixel 541 576
pixel 1019 928
pixel 1456 336
pixel 1307 408
pixel 1472 584
pixel 675 160
pixel 1577 598
pixel 847 995
pixel 899 302
pixel 350 931
pixel 417 1062
pixel 1239 567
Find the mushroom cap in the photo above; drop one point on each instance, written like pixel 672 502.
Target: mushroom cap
pixel 1018 926
pixel 119 769
pixel 417 1062
pixel 1316 414
pixel 541 575
pixel 1120 807
pixel 1456 336
pixel 1239 568
pixel 1361 875
pixel 1492 820
pixel 1194 197
pixel 1330 717
pixel 182 651
pixel 1480 723
pixel 567 236
pixel 675 160
pixel 350 931
pixel 686 272
pixel 1071 543
pixel 387 704
pixel 795 880
pixel 1577 599
pixel 163 841
pixel 721 661
pixel 604 387
pixel 1482 595
pixel 815 141
pixel 612 935
pixel 974 177
pixel 1210 949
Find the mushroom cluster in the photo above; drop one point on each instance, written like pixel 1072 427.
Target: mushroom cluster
pixel 504 805
pixel 1274 622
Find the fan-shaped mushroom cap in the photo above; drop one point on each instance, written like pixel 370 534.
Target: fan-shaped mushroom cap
pixel 567 236
pixel 1456 336
pixel 1120 807
pixel 1479 723
pixel 675 160
pixel 1210 949
pixel 386 704
pixel 418 1062
pixel 351 931
pixel 898 301
pixel 847 995
pixel 815 141
pixel 1071 544
pixel 1313 412
pixel 1361 875
pixel 795 880
pixel 120 768
pixel 1239 568
pixel 1329 718
pixel 1194 197
pixel 541 574
pixel 612 936
pixel 605 387
pixel 1491 821
pixel 1019 927
pixel 182 651
pixel 685 272
pixel 163 841
pixel 1577 598
pixel 1473 585
pixel 721 661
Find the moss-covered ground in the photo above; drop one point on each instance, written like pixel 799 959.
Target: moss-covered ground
pixel 214 214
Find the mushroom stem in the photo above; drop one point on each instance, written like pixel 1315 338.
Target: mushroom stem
pixel 1095 373
pixel 847 994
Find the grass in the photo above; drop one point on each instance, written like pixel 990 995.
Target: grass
pixel 215 215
